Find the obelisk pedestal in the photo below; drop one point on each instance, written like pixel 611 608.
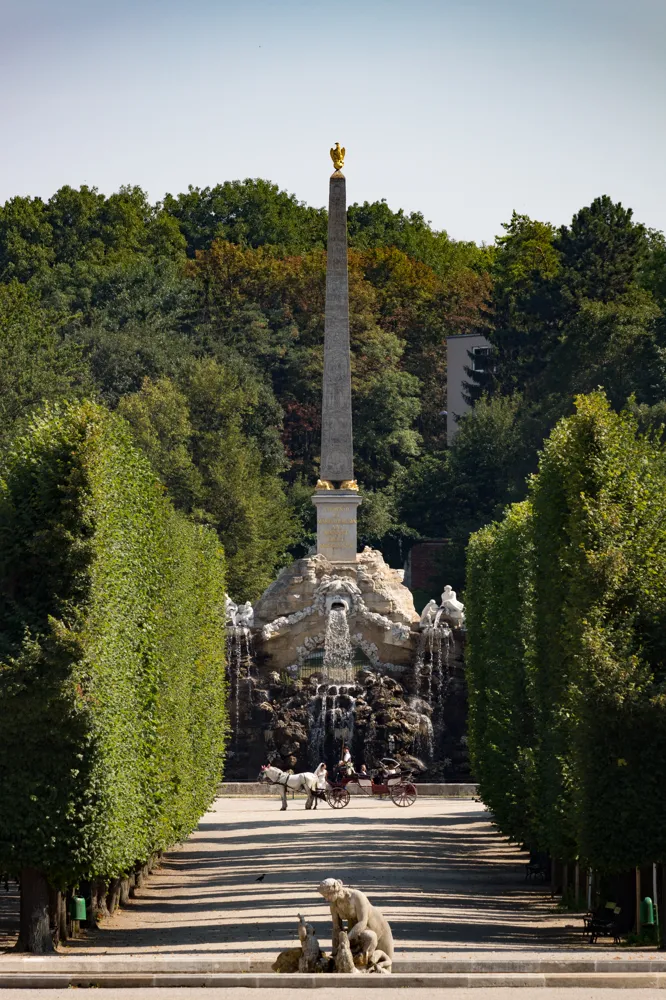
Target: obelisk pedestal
pixel 336 524
pixel 336 498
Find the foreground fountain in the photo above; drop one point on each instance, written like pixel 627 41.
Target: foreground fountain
pixel 340 654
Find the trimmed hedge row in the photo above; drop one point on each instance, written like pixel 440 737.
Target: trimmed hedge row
pixel 576 768
pixel 499 674
pixel 112 690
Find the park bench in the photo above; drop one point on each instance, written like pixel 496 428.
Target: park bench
pixel 603 922
pixel 538 867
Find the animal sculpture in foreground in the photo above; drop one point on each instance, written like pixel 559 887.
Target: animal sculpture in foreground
pixel 305 781
pixel 367 935
pixel 308 958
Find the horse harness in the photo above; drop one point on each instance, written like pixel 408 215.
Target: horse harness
pixel 284 784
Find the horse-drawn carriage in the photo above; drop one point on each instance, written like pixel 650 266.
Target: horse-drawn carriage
pixel 390 780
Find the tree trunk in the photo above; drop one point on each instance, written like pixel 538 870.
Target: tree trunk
pixel 113 895
pixel 99 891
pixel 64 915
pixel 35 930
pixel 55 906
pixel 662 922
pixel 139 875
pixel 132 885
pixel 124 891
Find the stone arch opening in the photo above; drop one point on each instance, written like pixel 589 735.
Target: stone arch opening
pixel 314 662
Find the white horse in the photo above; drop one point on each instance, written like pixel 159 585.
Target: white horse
pixel 305 781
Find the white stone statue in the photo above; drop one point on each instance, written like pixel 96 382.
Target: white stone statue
pixel 231 609
pixel 238 615
pixel 428 614
pixel 245 615
pixel 368 930
pixel 451 606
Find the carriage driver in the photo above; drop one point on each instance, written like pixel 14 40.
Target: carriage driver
pixel 345 765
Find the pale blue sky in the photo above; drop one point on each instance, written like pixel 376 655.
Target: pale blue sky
pixel 461 109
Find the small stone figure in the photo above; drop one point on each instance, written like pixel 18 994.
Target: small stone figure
pixel 368 930
pixel 428 615
pixel 311 959
pixel 245 615
pixel 231 610
pixel 288 960
pixel 238 615
pixel 344 961
pixel 308 958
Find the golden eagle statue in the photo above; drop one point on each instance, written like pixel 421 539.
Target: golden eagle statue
pixel 338 156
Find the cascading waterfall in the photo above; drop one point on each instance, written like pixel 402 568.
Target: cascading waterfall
pixel 239 652
pixel 431 678
pixel 246 637
pixel 317 727
pixel 424 738
pixel 419 663
pixel 347 715
pixel 338 653
pixel 331 721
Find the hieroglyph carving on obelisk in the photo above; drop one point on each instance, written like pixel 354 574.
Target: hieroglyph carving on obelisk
pixel 337 449
pixel 336 496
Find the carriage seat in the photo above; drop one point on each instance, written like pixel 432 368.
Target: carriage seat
pixel 362 779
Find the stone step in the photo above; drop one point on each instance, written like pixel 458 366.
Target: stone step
pixel 624 979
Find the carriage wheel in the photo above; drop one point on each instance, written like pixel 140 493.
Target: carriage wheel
pixel 404 795
pixel 338 798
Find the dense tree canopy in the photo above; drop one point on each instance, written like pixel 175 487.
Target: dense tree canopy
pixel 126 300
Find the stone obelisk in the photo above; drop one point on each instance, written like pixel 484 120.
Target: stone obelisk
pixel 336 497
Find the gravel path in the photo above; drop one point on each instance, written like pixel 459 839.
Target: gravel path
pixel 441 875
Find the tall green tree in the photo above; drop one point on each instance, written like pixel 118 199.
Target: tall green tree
pixel 37 361
pixel 193 434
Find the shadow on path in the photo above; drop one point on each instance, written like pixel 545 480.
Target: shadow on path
pixel 443 877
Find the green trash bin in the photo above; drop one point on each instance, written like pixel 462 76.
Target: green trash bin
pixel 77 908
pixel 647 912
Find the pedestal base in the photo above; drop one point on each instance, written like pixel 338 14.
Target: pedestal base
pixel 336 524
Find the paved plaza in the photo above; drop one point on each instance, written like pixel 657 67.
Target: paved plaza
pixel 335 994
pixel 441 874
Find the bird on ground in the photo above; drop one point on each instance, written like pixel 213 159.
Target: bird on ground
pixel 261 878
